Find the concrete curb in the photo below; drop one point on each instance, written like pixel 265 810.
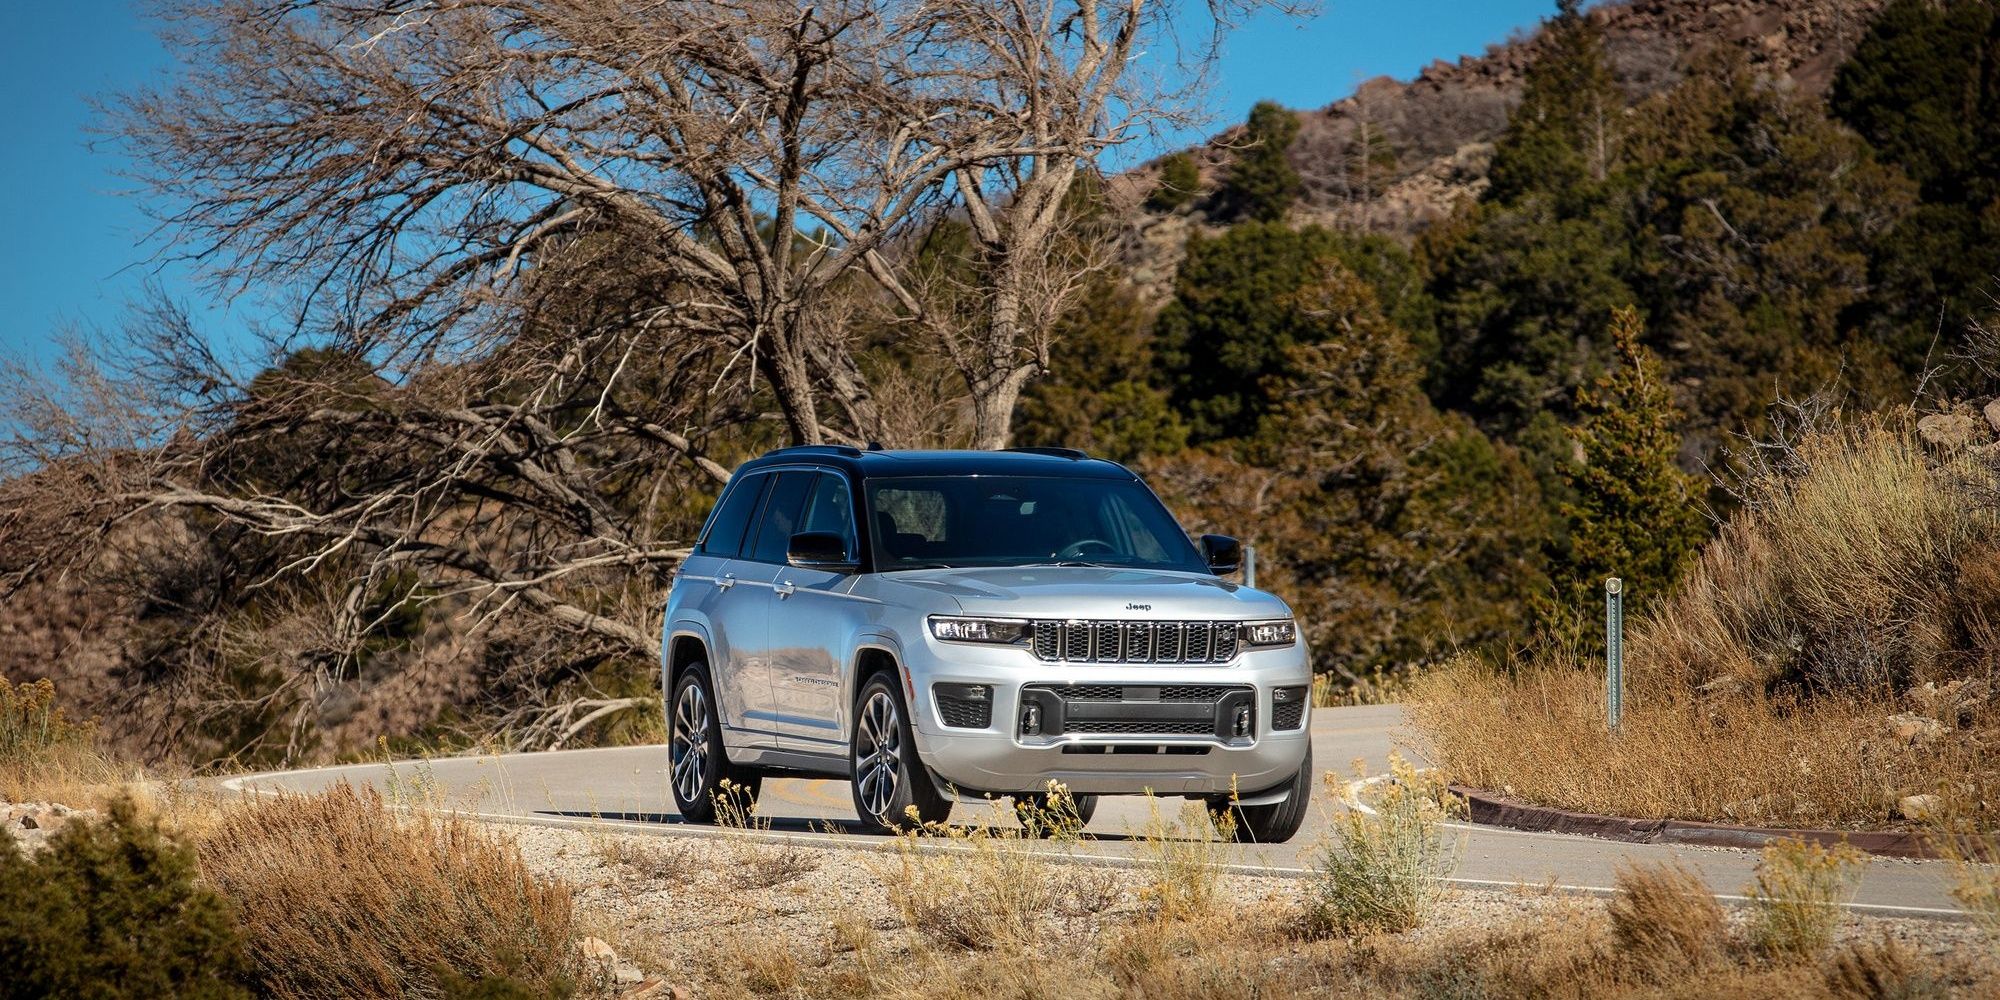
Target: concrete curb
pixel 1493 810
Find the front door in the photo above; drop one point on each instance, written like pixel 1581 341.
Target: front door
pixel 813 619
pixel 758 568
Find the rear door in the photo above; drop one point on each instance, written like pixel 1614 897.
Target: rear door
pixel 738 613
pixel 813 618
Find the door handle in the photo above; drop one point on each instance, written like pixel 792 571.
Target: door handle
pixel 728 580
pixel 784 589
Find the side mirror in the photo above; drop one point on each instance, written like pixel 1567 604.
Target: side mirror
pixel 821 550
pixel 1224 554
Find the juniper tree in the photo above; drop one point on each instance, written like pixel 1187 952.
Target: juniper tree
pixel 1262 184
pixel 1634 512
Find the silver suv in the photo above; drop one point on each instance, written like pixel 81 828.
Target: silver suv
pixel 931 625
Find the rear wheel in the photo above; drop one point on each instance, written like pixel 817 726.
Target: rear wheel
pixel 1272 824
pixel 892 791
pixel 697 765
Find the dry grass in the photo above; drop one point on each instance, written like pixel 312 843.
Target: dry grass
pixel 1665 919
pixel 1791 762
pixel 340 896
pixel 45 756
pixel 1813 618
pixel 1869 568
pixel 1385 866
pixel 1184 859
pixel 667 859
pixel 1882 970
pixel 1567 948
pixel 758 863
pixel 994 888
pixel 1798 897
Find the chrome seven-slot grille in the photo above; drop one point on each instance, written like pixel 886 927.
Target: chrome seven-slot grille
pixel 1135 642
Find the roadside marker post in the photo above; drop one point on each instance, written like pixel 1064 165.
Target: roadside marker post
pixel 1250 566
pixel 1614 651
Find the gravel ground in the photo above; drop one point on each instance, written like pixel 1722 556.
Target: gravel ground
pixel 665 902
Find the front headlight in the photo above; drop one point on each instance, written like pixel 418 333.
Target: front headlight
pixel 1281 632
pixel 995 630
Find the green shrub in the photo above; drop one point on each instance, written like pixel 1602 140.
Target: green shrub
pixel 1798 895
pixel 1386 865
pixel 111 909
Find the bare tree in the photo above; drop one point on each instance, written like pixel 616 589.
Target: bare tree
pixel 409 161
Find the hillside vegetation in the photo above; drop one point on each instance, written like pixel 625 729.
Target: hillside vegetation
pixel 1829 660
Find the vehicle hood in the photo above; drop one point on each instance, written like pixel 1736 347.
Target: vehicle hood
pixel 1094 592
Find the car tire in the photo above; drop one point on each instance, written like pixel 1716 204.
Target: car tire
pixel 892 789
pixel 697 764
pixel 1036 804
pixel 1272 824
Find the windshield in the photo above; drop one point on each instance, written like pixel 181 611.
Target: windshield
pixel 1023 521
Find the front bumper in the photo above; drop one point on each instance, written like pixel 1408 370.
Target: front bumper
pixel 1102 749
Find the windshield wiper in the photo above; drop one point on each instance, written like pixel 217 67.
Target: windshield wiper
pixel 1073 562
pixel 903 566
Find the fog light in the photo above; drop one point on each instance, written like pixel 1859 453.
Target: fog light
pixel 1031 720
pixel 964 692
pixel 1242 720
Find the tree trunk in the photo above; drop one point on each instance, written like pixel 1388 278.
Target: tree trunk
pixel 993 401
pixel 790 372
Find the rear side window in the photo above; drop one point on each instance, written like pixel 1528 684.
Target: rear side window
pixel 725 530
pixel 780 518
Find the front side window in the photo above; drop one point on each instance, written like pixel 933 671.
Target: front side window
pixel 830 509
pixel 1024 521
pixel 780 518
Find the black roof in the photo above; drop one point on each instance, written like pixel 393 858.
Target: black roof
pixel 871 463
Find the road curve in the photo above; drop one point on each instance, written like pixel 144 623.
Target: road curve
pixel 625 787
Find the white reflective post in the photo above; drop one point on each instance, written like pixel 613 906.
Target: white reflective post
pixel 1249 565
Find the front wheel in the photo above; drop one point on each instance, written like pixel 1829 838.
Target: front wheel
pixel 891 788
pixel 1272 824
pixel 697 766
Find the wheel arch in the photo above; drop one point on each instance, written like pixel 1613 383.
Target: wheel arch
pixel 687 644
pixel 874 654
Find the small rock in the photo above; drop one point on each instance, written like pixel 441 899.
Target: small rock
pixel 626 975
pixel 1911 729
pixel 652 989
pixel 1919 808
pixel 1952 431
pixel 598 950
pixel 1992 411
pixel 1956 703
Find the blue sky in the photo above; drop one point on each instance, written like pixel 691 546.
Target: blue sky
pixel 75 246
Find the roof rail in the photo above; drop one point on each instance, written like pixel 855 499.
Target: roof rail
pixel 1074 453
pixel 817 449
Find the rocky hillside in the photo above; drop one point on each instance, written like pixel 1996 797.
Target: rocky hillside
pixel 1397 155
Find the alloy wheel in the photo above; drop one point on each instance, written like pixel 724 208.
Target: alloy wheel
pixel 878 757
pixel 689 746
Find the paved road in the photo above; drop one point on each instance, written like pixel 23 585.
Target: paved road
pixel 626 786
